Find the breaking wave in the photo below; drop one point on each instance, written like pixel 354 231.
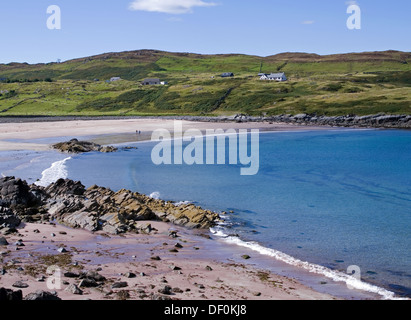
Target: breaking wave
pixel 58 170
pixel 338 276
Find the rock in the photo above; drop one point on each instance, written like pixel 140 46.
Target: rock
pixel 175 268
pixel 159 297
pixel 94 209
pixel 199 285
pixel 88 283
pixel 118 285
pixel 10 295
pixel 208 268
pixel 74 289
pixel 14 192
pixel 8 220
pixel 93 275
pixel 3 241
pixel 42 296
pixel 165 290
pixel 177 245
pixel 246 256
pixel 156 258
pixel 172 234
pixel 76 146
pixel 19 243
pixel 122 295
pixel 62 250
pixel 20 285
pixel 130 275
pixel 71 275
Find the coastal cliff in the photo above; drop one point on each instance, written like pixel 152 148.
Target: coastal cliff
pixel 93 209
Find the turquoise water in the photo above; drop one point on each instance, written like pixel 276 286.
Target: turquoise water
pixel 331 198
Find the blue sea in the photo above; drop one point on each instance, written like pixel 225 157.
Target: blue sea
pixel 328 201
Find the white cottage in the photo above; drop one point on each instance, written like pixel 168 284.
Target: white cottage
pixel 280 77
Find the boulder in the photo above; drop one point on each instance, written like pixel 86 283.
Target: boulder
pixel 42 296
pixel 10 295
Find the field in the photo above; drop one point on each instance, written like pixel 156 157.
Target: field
pixel 361 84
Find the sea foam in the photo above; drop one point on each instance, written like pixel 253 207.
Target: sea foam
pixel 58 170
pixel 337 276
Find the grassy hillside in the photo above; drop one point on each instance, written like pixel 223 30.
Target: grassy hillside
pixel 358 83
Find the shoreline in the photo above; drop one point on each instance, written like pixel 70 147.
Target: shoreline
pixel 147 263
pixel 37 136
pixel 314 293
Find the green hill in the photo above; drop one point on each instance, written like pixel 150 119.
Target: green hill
pixel 355 83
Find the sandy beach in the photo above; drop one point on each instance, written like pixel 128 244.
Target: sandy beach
pixel 146 266
pixel 14 136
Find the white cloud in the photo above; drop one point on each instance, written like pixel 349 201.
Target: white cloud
pixel 308 22
pixel 169 6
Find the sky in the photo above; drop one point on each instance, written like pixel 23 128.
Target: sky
pixel 258 27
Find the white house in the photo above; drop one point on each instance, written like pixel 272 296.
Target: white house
pixel 280 77
pixel 115 79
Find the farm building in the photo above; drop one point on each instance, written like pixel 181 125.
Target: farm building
pixel 280 77
pixel 227 75
pixel 151 82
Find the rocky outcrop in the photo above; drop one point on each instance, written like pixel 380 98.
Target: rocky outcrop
pixel 93 209
pixel 370 121
pixel 76 146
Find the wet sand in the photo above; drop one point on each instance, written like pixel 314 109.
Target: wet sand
pixel 156 260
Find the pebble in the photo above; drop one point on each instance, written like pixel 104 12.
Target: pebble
pixel 130 275
pixel 74 289
pixel 20 285
pixel 118 285
pixel 174 268
pixel 3 241
pixel 19 243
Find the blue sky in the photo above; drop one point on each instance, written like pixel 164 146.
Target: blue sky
pixel 259 27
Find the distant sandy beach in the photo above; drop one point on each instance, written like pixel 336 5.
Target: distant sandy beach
pixel 14 136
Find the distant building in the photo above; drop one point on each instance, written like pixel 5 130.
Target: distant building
pixel 227 75
pixel 115 79
pixel 151 82
pixel 280 77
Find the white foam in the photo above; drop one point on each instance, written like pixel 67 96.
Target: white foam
pixel 155 195
pixel 337 276
pixel 58 170
pixel 182 203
